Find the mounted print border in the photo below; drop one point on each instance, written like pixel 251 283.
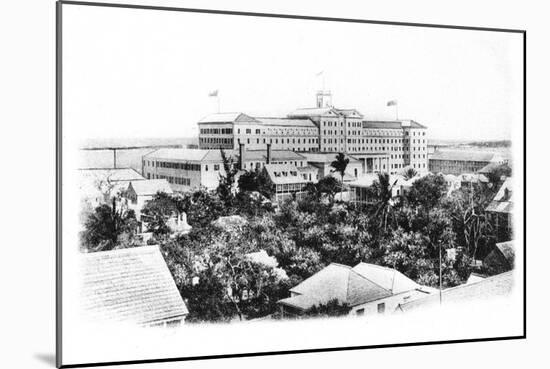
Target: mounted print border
pixel 362 276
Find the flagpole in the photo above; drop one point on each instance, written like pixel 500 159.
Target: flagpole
pixel 397 111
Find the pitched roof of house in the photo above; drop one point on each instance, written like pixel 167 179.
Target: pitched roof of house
pixel 495 286
pixel 502 202
pixel 308 169
pixel 505 191
pixel 101 183
pixel 151 187
pixel 111 174
pixel 474 277
pixel 132 285
pixel 462 155
pixel 507 250
pixel 338 282
pixel 284 173
pixel 390 279
pixel 500 207
pixel 491 167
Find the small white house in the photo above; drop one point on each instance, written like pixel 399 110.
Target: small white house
pixel 367 289
pixel 139 192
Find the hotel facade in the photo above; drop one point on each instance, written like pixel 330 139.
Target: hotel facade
pixel 307 138
pixel 381 146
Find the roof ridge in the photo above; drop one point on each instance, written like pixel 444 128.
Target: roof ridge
pixel 136 249
pixel 371 281
pixel 342 265
pixel 477 282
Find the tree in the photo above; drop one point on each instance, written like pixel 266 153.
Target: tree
pixel 159 209
pixel 383 190
pixel 340 164
pixel 105 226
pixel 470 221
pixel 417 257
pixel 409 173
pixel 248 181
pixel 328 186
pixel 227 180
pixel 206 299
pixel 426 192
pixel 203 207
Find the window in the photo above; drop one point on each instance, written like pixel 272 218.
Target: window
pixel 381 308
pixel 360 312
pixel 216 167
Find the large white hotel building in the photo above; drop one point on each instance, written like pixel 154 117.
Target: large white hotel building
pixel 307 138
pixel 387 146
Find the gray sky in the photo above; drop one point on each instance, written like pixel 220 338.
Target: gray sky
pixel 133 73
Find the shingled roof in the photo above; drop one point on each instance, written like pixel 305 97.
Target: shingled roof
pixel 110 174
pixel 130 285
pixel 150 187
pixel 390 279
pixel 507 250
pixel 336 281
pixel 496 286
pixel 502 202
pixel 284 174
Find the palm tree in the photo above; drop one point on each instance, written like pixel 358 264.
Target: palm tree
pixel 409 173
pixel 340 164
pixel 383 189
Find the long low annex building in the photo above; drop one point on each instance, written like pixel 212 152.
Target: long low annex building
pixel 191 169
pixel 459 162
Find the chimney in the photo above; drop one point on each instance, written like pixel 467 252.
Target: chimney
pixel 268 160
pixel 241 156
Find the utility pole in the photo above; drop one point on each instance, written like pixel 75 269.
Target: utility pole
pixel 440 278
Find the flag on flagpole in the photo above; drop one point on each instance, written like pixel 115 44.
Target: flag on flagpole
pixel 392 103
pixel 213 93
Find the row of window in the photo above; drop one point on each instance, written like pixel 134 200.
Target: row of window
pixel 172 165
pixel 289 187
pixel 173 180
pixel 280 132
pixel 285 173
pixel 216 140
pixel 216 167
pixel 304 141
pixel 216 131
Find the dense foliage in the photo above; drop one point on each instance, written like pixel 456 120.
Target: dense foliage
pixel 219 280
